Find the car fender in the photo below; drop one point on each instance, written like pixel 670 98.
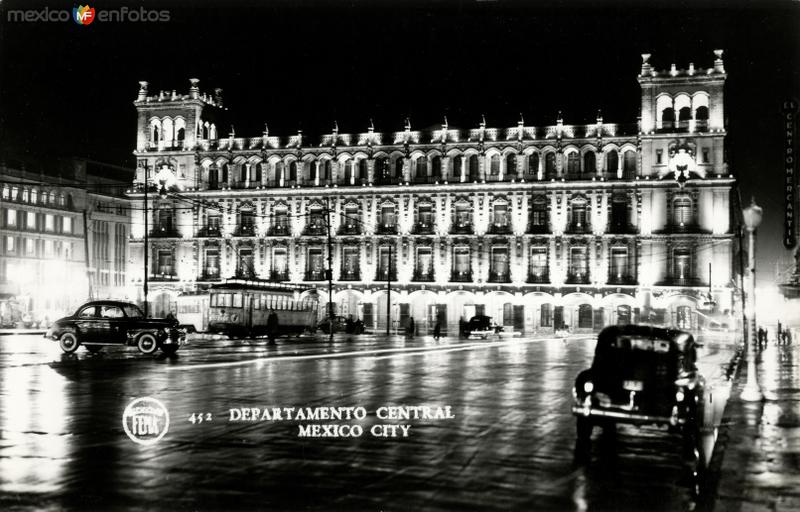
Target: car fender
pixel 134 333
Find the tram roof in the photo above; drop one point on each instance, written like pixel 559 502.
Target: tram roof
pixel 237 283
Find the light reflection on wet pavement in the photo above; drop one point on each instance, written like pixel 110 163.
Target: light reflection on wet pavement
pixel 510 446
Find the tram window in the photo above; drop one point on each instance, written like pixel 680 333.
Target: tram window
pixel 237 300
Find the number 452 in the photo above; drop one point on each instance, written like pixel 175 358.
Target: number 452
pixel 199 417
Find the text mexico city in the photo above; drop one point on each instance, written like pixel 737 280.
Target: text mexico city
pixel 342 414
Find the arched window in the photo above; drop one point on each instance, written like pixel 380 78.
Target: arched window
pixel 494 165
pixel 205 131
pixel 668 118
pixel 629 165
pixel 243 170
pixel 362 169
pixel 422 167
pixel 154 134
pixel 382 168
pixel 458 164
pixel 684 116
pixel 398 167
pixel 533 164
pixel 474 173
pixel 224 173
pixel 213 177
pixel 293 171
pixel 612 162
pixel 259 168
pixel 511 165
pixel 573 164
pixel 550 165
pixel 682 263
pixel 701 118
pixel 589 163
pixel 181 134
pixel 325 171
pixel 682 211
pixel 436 167
pixel 280 179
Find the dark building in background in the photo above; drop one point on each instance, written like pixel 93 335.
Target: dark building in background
pixel 50 211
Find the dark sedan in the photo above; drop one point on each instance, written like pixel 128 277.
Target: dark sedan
pixel 107 322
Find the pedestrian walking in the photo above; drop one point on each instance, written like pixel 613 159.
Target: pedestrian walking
pixel 411 327
pixel 272 326
pixel 437 330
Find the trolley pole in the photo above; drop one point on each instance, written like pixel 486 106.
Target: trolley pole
pixel 330 270
pixel 389 293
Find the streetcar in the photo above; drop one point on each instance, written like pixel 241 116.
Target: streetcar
pixel 240 308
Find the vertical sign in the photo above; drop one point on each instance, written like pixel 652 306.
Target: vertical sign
pixel 790 183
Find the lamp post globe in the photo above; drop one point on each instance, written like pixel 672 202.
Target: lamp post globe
pixel 752 218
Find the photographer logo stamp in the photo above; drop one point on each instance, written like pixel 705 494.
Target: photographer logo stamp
pixel 145 420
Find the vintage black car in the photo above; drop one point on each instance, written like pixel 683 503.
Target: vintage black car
pixel 107 322
pixel 641 375
pixel 480 325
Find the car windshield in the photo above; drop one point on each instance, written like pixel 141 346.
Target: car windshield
pixel 132 311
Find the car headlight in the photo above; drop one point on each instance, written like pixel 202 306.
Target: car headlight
pixel 588 386
pixel 679 396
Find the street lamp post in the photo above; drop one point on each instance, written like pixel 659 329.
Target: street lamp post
pixel 752 218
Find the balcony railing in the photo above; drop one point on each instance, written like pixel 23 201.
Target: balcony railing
pixel 500 229
pixel 247 273
pixel 499 277
pixel 423 228
pixel 209 231
pixel 315 275
pixel 682 281
pixel 164 232
pixel 386 229
pixel 353 275
pixel 277 276
pixel 621 279
pixel 622 228
pixel 690 227
pixel 577 278
pixel 315 230
pixel 538 229
pixel 210 274
pixel 575 228
pixel 164 273
pixel 539 277
pixel 388 181
pixel 424 277
pixel 461 276
pixel 349 229
pixel 462 229
pixel 386 274
pixel 278 230
pixel 423 180
pixel 245 230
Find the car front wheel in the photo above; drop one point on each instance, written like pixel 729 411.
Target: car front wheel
pixel 147 343
pixel 68 342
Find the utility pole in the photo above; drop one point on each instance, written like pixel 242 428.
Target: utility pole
pixel 86 252
pixel 146 248
pixel 330 269
pixel 389 292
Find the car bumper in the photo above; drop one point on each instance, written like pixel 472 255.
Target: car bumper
pixel 628 416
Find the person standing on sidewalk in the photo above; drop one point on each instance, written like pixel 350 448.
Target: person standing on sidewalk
pixel 272 326
pixel 411 327
pixel 437 330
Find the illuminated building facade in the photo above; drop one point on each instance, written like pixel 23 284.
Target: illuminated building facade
pixel 536 226
pixel 43 268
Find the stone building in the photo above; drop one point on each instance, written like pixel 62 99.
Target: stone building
pixel 536 226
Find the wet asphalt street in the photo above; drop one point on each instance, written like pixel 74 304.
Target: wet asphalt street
pixel 510 445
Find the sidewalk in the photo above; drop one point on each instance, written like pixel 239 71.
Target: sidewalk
pixel 760 468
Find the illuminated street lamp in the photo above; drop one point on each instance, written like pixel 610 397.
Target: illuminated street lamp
pixel 752 218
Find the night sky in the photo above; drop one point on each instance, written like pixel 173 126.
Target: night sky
pixel 67 90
